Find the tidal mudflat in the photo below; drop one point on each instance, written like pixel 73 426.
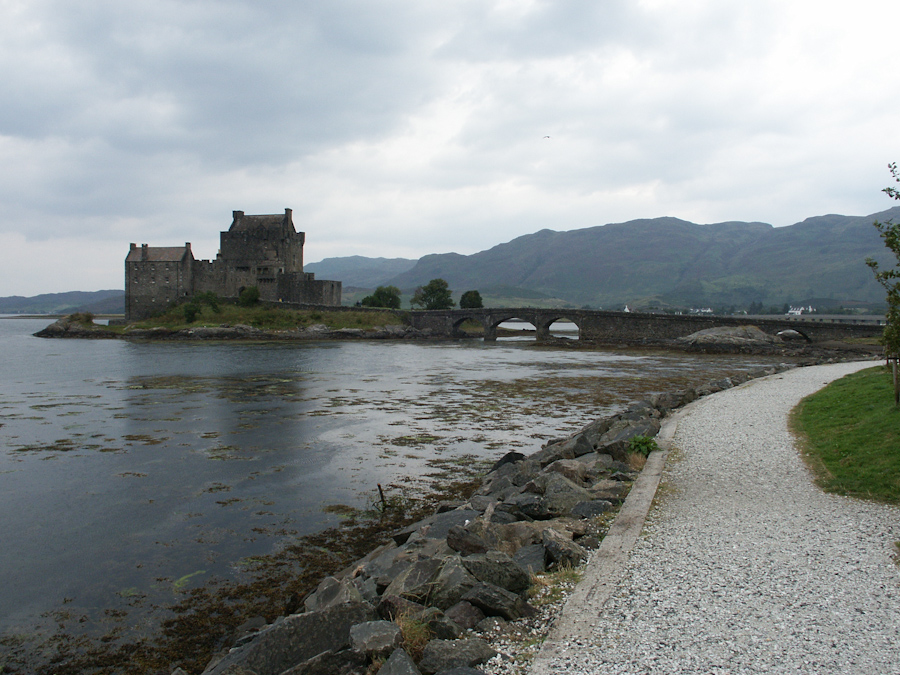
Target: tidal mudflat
pixel 137 476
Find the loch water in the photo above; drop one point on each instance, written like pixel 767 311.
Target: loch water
pixel 141 469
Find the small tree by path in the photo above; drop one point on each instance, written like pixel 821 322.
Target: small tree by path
pixel 890 280
pixel 433 295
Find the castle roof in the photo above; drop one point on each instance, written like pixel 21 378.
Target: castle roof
pixel 243 222
pixel 158 253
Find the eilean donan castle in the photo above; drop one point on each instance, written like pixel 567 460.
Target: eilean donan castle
pixel 263 251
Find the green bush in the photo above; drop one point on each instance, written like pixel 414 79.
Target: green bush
pixel 249 296
pixel 384 296
pixel 471 300
pixel 642 445
pixel 191 310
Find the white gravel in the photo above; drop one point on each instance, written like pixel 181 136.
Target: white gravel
pixel 745 566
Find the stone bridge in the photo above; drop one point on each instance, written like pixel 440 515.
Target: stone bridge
pixel 606 326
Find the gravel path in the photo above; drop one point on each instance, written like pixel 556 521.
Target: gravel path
pixel 746 566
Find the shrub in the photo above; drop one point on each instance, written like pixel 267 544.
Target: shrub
pixel 249 296
pixel 384 296
pixel 191 310
pixel 642 445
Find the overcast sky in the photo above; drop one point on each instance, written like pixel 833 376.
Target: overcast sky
pixel 405 127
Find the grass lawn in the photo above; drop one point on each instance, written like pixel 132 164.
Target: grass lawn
pixel 851 436
pixel 269 318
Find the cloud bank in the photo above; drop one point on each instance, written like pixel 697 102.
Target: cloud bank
pixel 403 128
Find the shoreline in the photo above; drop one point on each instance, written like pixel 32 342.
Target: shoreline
pixel 474 532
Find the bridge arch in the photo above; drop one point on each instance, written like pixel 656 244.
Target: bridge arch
pixel 545 323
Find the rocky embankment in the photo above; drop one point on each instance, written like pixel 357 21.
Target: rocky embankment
pixel 430 601
pixel 73 327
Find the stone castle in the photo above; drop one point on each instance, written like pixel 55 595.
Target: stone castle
pixel 263 251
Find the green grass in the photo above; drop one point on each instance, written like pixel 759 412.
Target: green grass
pixel 269 318
pixel 851 434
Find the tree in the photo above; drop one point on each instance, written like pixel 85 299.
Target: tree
pixel 384 296
pixel 890 280
pixel 433 295
pixel 471 300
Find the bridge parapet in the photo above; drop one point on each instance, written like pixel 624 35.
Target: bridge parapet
pixel 604 326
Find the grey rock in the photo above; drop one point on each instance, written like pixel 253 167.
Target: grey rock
pixel 530 505
pixel 531 558
pixel 452 582
pixel 415 582
pixel 466 542
pixel 344 662
pixel 576 471
pixel 375 638
pixel 443 655
pixel 496 601
pixel 508 458
pixel 295 639
pixel 461 671
pixel 491 624
pixel 498 569
pixel 440 625
pixel 440 524
pixel 464 614
pixel 591 509
pixel 367 588
pixel 393 607
pixel 562 551
pixel 399 663
pixel 331 592
pixel 561 495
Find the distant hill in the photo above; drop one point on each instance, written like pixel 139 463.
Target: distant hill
pixel 671 261
pixel 98 302
pixel 648 262
pixel 358 271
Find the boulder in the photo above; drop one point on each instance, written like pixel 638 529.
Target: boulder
pixel 576 471
pixel 464 614
pixel 496 601
pixel 531 558
pixel 561 494
pixel 562 551
pixel 529 505
pixel 344 662
pixel 452 583
pixel 294 639
pixel 375 639
pixel 464 541
pixel 399 663
pixel 393 607
pixel 592 508
pixel 441 626
pixel 415 582
pixel 729 335
pixel 441 655
pixel 498 569
pixel 331 592
pixel 508 458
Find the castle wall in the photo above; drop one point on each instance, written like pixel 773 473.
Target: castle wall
pixel 156 279
pixel 304 288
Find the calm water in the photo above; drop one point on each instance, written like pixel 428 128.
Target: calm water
pixel 140 469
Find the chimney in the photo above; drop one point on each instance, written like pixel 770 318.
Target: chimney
pixel 132 246
pixel 145 253
pixel 237 215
